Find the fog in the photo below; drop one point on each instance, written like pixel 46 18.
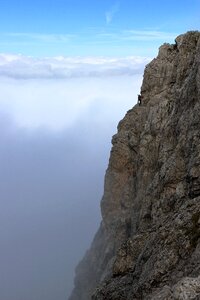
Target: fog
pixel 55 141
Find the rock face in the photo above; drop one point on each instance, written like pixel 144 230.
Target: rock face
pixel 148 245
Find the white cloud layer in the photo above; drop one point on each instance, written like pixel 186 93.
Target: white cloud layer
pixel 57 116
pixel 57 93
pixel 24 67
pixel 58 104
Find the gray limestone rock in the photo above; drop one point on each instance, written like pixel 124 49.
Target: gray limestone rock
pixel 148 245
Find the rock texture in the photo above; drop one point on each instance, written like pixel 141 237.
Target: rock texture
pixel 148 245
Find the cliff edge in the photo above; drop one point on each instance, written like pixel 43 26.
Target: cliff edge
pixel 148 244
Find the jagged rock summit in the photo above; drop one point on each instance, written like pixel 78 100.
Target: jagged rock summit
pixel 148 244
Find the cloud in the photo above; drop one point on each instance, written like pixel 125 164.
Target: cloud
pixel 55 140
pixel 51 185
pixel 38 37
pixel 24 67
pixel 60 103
pixel 147 35
pixel 136 35
pixel 93 41
pixel 112 12
pixel 29 86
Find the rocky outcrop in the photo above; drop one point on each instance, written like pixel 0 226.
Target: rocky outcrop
pixel 148 245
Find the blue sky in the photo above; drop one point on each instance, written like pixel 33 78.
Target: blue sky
pixel 86 27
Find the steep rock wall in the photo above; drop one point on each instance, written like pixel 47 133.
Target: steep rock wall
pixel 148 244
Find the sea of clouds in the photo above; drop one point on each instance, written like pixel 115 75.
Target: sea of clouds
pixel 57 117
pixel 23 67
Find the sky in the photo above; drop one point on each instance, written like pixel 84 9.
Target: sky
pixel 86 27
pixel 69 71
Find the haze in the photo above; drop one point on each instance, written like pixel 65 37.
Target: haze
pixel 55 142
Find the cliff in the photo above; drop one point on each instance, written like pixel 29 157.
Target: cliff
pixel 148 244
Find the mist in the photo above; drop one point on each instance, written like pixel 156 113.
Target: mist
pixel 55 141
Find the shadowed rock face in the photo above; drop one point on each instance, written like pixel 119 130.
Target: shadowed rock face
pixel 148 245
